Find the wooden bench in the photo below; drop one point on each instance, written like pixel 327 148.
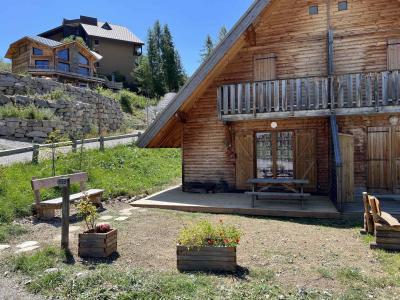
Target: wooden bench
pixel 46 209
pixel 387 228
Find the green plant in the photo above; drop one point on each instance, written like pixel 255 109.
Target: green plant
pixel 29 112
pixel 204 233
pixel 38 262
pixel 8 231
pixel 88 212
pixel 57 94
pixel 72 38
pixel 4 66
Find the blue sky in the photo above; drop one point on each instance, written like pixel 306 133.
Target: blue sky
pixel 189 20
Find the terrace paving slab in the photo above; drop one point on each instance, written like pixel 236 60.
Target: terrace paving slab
pixel 121 219
pixel 4 247
pixel 27 249
pixel 27 244
pixel 105 218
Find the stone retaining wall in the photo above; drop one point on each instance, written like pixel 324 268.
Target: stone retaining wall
pixel 82 111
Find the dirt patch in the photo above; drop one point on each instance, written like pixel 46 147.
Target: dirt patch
pixel 300 253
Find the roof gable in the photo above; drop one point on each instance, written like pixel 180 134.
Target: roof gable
pixel 204 70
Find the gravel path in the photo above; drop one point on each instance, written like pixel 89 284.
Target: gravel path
pixel 11 290
pixel 26 157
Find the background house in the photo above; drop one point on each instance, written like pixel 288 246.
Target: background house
pixel 69 62
pixel 296 89
pixel 118 46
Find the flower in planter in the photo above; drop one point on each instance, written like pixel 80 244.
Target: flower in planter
pixel 204 233
pixel 88 212
pixel 103 228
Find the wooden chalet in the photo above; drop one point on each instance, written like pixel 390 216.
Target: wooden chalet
pixel 298 89
pixel 69 62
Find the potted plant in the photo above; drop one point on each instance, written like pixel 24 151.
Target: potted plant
pixel 207 247
pixel 96 241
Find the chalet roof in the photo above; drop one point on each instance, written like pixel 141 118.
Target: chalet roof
pixel 44 41
pixel 49 43
pixel 203 71
pixel 116 32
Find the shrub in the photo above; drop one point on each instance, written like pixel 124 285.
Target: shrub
pixel 204 233
pixel 88 212
pixel 57 94
pixel 30 112
pixel 129 101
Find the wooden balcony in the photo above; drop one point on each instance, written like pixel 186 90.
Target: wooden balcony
pixel 350 94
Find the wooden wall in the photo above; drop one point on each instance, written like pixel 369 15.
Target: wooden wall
pixel 299 42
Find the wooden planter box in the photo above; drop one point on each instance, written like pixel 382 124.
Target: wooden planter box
pixel 215 259
pixel 99 245
pixel 387 238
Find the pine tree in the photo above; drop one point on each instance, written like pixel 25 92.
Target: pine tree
pixel 170 70
pixel 155 59
pixel 143 76
pixel 207 49
pixel 182 77
pixel 222 33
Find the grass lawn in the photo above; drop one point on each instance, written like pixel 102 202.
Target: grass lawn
pixel 124 170
pixel 279 259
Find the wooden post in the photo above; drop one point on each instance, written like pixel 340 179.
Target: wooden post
pixel 35 154
pixel 101 140
pixel 74 145
pixel 64 183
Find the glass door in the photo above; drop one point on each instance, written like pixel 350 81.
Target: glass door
pixel 275 154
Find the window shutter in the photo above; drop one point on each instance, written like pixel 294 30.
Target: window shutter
pixel 264 67
pixel 393 54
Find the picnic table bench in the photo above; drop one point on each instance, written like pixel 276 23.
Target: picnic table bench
pixel 46 209
pixel 295 189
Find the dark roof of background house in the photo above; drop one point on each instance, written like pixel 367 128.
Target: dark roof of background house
pixel 45 41
pixel 95 28
pixel 117 32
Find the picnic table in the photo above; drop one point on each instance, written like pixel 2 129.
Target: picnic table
pixel 295 188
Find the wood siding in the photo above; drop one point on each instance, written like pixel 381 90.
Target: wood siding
pixel 299 42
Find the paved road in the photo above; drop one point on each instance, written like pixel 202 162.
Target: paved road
pixel 26 157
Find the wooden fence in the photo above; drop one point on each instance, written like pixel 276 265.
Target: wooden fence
pixel 308 94
pixel 74 144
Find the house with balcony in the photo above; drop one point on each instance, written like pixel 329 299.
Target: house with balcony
pixel 298 91
pixel 118 46
pixel 70 62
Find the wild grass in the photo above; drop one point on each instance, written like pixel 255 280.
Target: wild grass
pixel 29 112
pixel 57 94
pixel 130 102
pixel 10 230
pixel 123 170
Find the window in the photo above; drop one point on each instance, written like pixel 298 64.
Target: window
pixel 275 154
pixel 313 10
pixel 37 51
pixel 96 42
pixel 97 65
pixel 83 60
pixel 393 54
pixel 41 64
pixel 342 5
pixel 84 71
pixel 264 67
pixel 63 67
pixel 63 54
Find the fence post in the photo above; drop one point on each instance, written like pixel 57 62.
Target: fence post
pixel 74 145
pixel 35 154
pixel 64 183
pixel 101 139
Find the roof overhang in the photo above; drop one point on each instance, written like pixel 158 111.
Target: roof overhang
pixel 202 72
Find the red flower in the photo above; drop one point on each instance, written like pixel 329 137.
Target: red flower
pixel 237 241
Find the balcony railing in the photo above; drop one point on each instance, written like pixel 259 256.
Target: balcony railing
pixel 48 70
pixel 342 94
